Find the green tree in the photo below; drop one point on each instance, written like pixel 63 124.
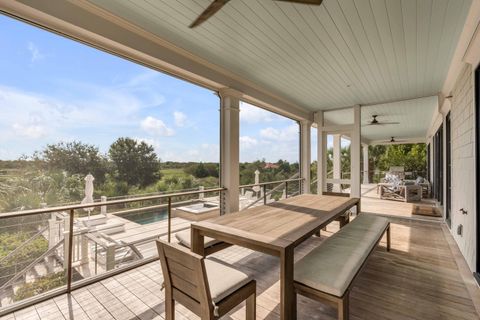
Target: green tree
pixel 135 162
pixel 202 170
pixel 75 158
pixel 413 157
pixel 40 285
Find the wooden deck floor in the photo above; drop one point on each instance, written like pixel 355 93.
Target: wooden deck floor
pixel 371 203
pixel 418 279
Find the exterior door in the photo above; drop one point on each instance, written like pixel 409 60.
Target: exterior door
pixel 438 165
pixel 448 164
pixel 477 167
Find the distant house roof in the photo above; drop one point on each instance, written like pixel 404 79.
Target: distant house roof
pixel 270 165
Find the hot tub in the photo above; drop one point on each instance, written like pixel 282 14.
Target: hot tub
pixel 197 211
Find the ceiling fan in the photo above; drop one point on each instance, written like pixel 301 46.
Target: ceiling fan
pixel 375 122
pixel 216 5
pixel 393 140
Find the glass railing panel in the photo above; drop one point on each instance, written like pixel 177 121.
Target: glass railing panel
pixel 39 249
pixel 267 192
pixel 31 256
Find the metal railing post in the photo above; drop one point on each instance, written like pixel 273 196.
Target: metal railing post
pixel 264 194
pixel 169 217
pixel 110 256
pixel 96 257
pixel 70 251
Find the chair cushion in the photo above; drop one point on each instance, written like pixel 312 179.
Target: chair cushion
pixel 184 237
pixel 223 280
pixel 331 267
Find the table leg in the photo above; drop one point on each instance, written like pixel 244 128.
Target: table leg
pixel 287 293
pixel 197 242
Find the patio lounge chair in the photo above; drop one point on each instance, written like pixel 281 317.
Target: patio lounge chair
pixel 111 226
pixel 401 192
pixel 249 195
pixel 207 288
pixel 93 220
pixel 123 252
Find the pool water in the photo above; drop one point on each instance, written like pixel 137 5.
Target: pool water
pixel 146 217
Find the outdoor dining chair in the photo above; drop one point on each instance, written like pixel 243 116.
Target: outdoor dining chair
pixel 207 288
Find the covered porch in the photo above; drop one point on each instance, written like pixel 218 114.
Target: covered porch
pixel 423 277
pixel 335 69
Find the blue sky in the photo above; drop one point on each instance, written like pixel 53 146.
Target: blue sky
pixel 53 89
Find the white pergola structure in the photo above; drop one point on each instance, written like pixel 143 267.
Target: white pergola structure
pixel 396 59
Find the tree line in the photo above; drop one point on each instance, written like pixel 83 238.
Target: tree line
pixel 127 161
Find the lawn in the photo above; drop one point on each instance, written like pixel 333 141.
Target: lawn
pixel 177 173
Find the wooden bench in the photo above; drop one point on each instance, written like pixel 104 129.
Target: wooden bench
pixel 327 272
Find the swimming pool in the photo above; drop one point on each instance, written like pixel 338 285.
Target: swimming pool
pixel 146 217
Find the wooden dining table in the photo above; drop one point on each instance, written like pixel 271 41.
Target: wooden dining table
pixel 275 229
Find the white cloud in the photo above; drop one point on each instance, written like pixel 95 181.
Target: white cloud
pixel 247 142
pixel 154 143
pixel 180 118
pixel 290 133
pixel 31 131
pixel 142 78
pixel 156 127
pixel 252 114
pixel 35 53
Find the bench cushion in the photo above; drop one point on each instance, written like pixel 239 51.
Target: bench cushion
pixel 331 267
pixel 223 280
pixel 184 237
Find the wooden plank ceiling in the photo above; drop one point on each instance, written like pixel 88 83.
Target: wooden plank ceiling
pixel 413 118
pixel 341 53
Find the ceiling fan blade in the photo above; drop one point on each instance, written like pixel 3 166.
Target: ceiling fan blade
pixel 313 2
pixel 389 123
pixel 207 13
pixel 380 124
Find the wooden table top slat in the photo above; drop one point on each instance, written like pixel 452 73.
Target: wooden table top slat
pixel 286 220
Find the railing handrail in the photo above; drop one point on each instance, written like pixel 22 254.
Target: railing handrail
pixel 107 203
pixel 269 182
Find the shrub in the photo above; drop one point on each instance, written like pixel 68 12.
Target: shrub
pixel 42 284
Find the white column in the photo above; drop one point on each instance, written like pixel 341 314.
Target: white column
pixel 321 151
pixel 365 164
pixel 229 149
pixel 305 155
pixel 355 153
pixel 337 161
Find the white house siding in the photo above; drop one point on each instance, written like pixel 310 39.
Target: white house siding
pixel 463 164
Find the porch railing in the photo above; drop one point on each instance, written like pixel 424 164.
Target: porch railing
pixel 72 247
pixel 267 194
pixel 71 237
